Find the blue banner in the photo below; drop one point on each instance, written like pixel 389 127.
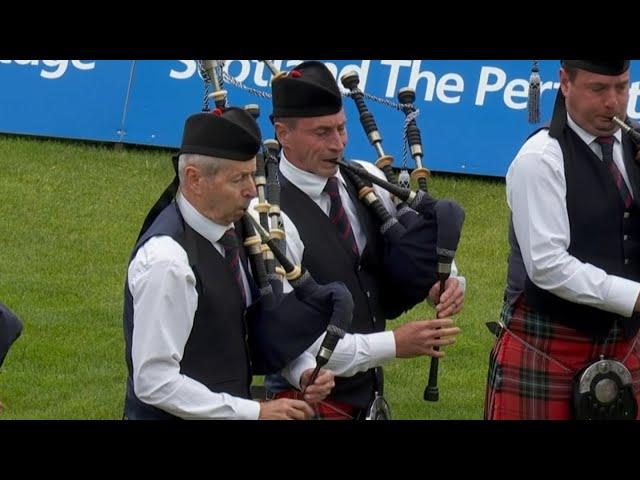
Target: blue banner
pixel 81 99
pixel 472 113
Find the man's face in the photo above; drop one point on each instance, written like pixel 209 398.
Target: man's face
pixel 592 99
pixel 226 195
pixel 313 144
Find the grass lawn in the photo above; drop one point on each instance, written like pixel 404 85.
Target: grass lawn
pixel 70 214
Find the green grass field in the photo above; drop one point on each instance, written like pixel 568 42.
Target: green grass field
pixel 69 216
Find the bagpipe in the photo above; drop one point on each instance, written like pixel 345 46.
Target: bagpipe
pixel 421 236
pixel 630 129
pixel 422 215
pixel 416 253
pixel 268 206
pixel 409 263
pixel 281 326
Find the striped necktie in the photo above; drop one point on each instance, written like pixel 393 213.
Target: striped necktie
pixel 606 143
pixel 338 215
pixel 232 257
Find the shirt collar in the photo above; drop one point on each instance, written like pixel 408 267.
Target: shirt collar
pixel 308 182
pixel 201 224
pixel 587 137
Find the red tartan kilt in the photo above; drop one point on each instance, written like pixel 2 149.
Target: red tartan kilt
pixel 524 385
pixel 327 409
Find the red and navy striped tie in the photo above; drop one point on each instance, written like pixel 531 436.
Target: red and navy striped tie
pixel 232 256
pixel 338 215
pixel 606 143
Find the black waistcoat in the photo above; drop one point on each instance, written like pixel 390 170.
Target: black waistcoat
pixel 602 233
pixel 215 354
pixel 328 258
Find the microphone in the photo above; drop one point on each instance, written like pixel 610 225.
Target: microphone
pixel 450 217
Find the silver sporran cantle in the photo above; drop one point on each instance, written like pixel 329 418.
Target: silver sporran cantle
pixel 379 409
pixel 602 391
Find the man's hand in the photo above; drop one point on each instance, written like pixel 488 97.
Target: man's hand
pixel 285 409
pixel 418 338
pixel 452 299
pixel 321 388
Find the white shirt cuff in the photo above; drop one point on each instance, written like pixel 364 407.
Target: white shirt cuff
pixel 622 296
pixel 294 370
pixel 247 409
pixel 383 346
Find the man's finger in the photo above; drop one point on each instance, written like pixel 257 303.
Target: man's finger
pixel 304 409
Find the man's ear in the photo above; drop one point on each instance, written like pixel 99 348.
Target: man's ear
pixel 564 81
pixel 282 133
pixel 193 178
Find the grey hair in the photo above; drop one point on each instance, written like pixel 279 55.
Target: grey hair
pixel 209 166
pixel 290 122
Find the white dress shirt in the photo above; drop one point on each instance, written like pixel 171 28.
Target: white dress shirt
pixel 536 194
pixel 165 299
pixel 355 352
